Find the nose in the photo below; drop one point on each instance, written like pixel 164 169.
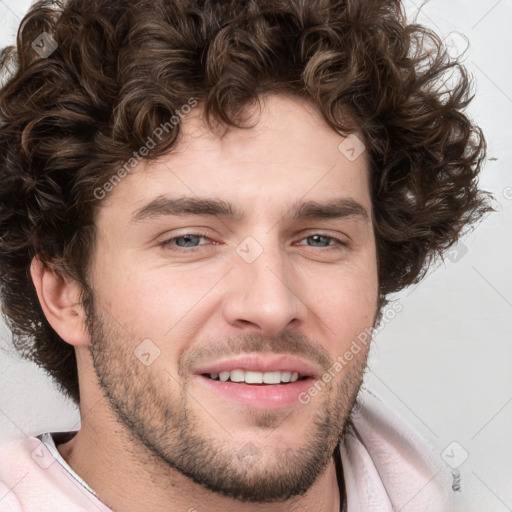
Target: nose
pixel 264 294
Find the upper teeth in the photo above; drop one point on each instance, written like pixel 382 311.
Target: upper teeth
pixel 251 377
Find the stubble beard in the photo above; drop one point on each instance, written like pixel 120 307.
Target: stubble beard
pixel 166 428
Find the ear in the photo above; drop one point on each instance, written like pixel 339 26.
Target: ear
pixel 59 295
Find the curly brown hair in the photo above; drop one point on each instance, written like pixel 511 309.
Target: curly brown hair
pixel 121 68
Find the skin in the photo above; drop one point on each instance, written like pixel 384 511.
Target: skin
pixel 154 435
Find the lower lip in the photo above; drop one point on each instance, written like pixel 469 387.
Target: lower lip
pixel 267 396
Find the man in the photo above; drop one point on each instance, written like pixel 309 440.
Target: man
pixel 204 206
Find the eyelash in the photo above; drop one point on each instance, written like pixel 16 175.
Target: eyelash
pixel 168 243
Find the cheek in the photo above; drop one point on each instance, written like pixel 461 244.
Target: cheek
pixel 130 295
pixel 157 302
pixel 154 302
pixel 344 300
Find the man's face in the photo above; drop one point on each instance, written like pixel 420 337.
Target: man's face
pixel 268 292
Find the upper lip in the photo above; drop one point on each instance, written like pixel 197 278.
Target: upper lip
pixel 261 363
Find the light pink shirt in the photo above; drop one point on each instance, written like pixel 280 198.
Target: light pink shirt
pixel 387 466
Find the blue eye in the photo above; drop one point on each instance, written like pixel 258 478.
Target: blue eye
pixel 191 241
pixel 319 238
pixel 184 242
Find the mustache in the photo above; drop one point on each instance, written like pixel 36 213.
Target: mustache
pixel 286 343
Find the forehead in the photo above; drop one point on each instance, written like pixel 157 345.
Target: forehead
pixel 288 153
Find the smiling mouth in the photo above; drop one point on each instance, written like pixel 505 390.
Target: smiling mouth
pixel 256 378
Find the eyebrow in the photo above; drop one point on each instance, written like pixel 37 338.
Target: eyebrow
pixel 163 206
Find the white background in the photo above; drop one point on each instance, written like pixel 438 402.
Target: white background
pixel 444 362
